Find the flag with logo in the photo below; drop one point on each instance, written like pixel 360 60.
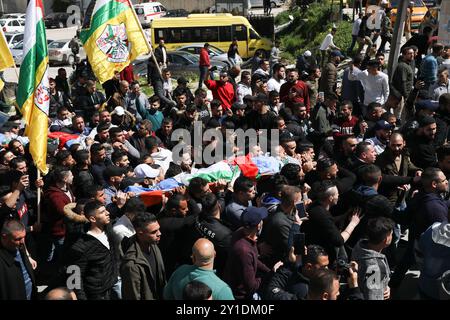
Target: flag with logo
pixel 33 96
pixel 112 37
pixel 6 58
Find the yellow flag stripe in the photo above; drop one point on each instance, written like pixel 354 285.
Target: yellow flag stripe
pixel 104 69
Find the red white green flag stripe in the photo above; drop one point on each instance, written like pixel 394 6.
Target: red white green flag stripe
pixel 33 93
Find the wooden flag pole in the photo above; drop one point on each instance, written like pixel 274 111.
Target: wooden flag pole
pixel 150 49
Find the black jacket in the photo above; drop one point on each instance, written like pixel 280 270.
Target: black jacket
pixel 177 237
pixel 219 234
pixel 321 229
pixel 423 152
pixel 12 286
pixel 276 234
pixel 98 265
pixel 288 283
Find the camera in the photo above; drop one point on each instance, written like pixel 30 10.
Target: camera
pixel 343 268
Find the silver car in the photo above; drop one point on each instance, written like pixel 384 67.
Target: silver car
pixel 17 52
pixel 59 52
pixel 215 54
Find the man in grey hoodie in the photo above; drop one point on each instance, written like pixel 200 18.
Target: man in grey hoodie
pixel 373 270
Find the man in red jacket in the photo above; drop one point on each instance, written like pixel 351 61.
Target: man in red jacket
pixel 54 230
pixel 294 90
pixel 204 63
pixel 222 90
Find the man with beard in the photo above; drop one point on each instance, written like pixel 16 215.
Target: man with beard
pixel 383 131
pixel 221 89
pixel 142 268
pixel 300 88
pixel 423 151
pixel 328 80
pixel 165 133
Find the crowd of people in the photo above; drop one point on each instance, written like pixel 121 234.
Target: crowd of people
pixel 361 162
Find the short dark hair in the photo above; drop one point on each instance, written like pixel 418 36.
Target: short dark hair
pixel 150 143
pixel 15 162
pixel 429 175
pixel 324 164
pixel 196 290
pixel 321 281
pixel 370 174
pixel 81 156
pixel 61 156
pixel 91 190
pixel 114 131
pixel 209 205
pixel 134 205
pixel 290 172
pixel 143 219
pixel 362 147
pixel 96 148
pixel 242 184
pixel 174 202
pixel 277 66
pixel 102 126
pixel 59 173
pixel 371 106
pixel 442 152
pixel 154 99
pixel 378 229
pixel 117 155
pixel 314 252
pixel 91 207
pixel 196 184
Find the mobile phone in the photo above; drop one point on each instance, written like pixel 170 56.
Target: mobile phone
pixel 321 95
pixel 301 210
pixel 299 243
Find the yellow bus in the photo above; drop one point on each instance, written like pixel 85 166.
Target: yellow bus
pixel 216 29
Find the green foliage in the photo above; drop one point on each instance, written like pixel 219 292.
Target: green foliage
pixel 310 28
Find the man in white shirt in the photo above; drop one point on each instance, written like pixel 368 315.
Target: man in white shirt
pixel 244 87
pixel 123 226
pixel 278 78
pixel 328 44
pixel 355 31
pixel 375 83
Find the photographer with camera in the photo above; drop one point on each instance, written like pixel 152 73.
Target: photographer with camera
pixel 374 272
pixel 324 284
pixel 290 281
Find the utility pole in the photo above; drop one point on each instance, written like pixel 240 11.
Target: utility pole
pixel 399 27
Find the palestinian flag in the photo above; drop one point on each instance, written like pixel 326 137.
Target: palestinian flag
pixel 33 97
pixel 112 37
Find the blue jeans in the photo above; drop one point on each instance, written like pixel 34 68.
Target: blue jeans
pixel 203 71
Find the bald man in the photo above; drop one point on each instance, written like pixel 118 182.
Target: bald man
pixel 203 255
pixel 61 293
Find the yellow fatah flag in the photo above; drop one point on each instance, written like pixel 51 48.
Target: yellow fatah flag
pixel 6 58
pixel 112 37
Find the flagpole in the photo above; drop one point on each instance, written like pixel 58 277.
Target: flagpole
pixel 38 198
pixel 145 37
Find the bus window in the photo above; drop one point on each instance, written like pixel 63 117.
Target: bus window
pixel 254 35
pixel 225 34
pixel 240 32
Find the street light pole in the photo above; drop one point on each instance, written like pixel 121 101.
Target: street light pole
pixel 397 36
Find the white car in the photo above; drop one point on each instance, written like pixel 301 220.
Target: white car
pixel 60 53
pixel 13 38
pixel 260 3
pixel 12 25
pixel 215 54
